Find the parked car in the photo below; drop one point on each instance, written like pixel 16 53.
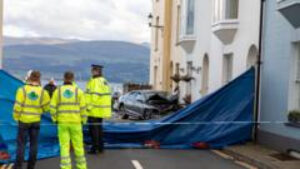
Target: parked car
pixel 146 104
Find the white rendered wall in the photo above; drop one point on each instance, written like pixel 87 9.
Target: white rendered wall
pixel 1 33
pixel 207 43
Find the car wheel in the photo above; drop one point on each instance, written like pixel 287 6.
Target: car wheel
pixel 123 112
pixel 147 114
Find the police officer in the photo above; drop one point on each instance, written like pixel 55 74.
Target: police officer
pixel 31 102
pixel 68 110
pixel 98 96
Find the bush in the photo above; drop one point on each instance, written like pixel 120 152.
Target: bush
pixel 294 116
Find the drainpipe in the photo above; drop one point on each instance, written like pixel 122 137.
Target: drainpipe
pixel 167 45
pixel 259 64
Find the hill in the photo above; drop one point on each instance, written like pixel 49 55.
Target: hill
pixel 9 41
pixel 123 61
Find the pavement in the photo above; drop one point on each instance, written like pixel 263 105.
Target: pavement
pixel 151 159
pixel 262 157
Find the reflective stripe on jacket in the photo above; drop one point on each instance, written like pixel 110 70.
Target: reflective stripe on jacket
pixel 98 97
pixel 68 105
pixel 31 102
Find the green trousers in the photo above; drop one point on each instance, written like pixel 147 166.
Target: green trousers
pixel 71 133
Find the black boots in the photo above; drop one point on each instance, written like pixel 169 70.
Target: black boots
pixel 95 150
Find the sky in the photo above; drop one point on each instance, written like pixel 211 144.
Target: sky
pixel 124 20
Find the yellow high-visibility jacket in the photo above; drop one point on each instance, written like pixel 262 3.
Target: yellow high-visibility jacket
pixel 98 97
pixel 74 84
pixel 68 105
pixel 31 102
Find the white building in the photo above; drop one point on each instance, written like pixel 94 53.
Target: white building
pixel 1 32
pixel 212 42
pixel 220 41
pixel 160 23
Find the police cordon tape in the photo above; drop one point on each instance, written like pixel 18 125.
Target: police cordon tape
pixel 165 123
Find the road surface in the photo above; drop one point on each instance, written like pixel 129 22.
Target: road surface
pixel 151 159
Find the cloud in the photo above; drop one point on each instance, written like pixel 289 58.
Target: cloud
pixel 82 19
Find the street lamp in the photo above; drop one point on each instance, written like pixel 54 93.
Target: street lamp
pixel 150 18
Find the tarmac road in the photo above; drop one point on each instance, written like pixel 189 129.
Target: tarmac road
pixel 151 159
pixel 147 159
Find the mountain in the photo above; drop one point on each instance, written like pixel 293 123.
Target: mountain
pixel 10 41
pixel 123 61
pixel 146 44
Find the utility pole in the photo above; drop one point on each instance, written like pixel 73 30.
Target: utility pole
pixel 259 64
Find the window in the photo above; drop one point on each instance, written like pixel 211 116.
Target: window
pixel 231 10
pixel 205 75
pixel 217 10
pixel 227 68
pixel 156 35
pixel 189 74
pixel 188 16
pixel 139 97
pixel 155 77
pixel 177 68
pixel 189 68
pixel 172 68
pixel 298 74
pixel 131 96
pixel 226 9
pixel 178 22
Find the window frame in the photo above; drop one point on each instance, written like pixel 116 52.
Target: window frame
pixel 221 12
pixel 205 75
pixel 185 18
pixel 155 76
pixel 156 38
pixel 178 23
pixel 190 17
pixel 228 62
pixel 189 68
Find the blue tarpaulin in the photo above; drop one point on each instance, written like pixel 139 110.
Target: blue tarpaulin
pixel 220 119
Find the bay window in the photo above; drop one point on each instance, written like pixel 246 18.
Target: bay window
pixel 226 10
pixel 188 17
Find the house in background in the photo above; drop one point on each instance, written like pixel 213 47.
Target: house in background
pixel 160 60
pixel 280 88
